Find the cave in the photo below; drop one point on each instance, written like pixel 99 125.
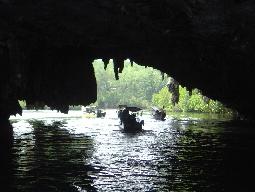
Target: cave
pixel 47 48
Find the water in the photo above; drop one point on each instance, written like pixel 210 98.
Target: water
pixel 65 152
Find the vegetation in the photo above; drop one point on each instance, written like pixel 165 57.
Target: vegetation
pixel 143 87
pixel 22 104
pixel 194 102
pixel 135 86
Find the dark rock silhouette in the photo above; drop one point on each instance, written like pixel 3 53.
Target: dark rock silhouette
pixel 129 121
pixel 47 47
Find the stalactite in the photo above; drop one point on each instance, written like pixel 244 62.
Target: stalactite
pixel 191 35
pixel 173 87
pixel 105 64
pixel 118 66
pixel 116 70
pixel 162 75
pixel 121 65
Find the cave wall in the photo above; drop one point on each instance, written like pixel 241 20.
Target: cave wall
pixel 52 76
pixel 47 46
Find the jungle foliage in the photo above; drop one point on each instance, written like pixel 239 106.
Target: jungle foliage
pixel 136 84
pixel 145 87
pixel 188 102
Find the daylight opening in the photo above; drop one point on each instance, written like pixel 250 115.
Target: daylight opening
pixel 145 87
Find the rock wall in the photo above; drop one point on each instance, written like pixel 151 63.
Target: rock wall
pixel 47 46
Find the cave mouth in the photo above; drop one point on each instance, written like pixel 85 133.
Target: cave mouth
pixel 199 43
pixel 134 85
pixel 143 87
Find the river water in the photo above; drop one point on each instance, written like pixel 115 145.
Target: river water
pixel 66 152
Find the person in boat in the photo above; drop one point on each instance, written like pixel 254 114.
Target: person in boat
pixel 124 115
pixel 132 118
pixel 100 113
pixel 163 113
pixel 159 113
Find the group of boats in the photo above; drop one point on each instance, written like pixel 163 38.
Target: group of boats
pixel 92 112
pixel 130 117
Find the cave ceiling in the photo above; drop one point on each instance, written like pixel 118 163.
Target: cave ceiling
pixel 47 47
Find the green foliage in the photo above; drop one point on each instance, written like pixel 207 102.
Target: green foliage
pixel 195 102
pixel 135 86
pixel 183 104
pixel 162 98
pixel 142 87
pixel 22 104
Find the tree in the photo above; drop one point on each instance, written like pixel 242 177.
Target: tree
pixel 135 86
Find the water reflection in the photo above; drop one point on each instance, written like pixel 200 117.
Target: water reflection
pixel 193 159
pixel 49 158
pixel 179 154
pixel 6 144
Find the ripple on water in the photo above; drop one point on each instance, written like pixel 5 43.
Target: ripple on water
pixel 77 154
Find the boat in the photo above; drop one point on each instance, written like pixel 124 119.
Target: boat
pixel 88 111
pixel 158 113
pixel 100 113
pixel 92 112
pixel 129 120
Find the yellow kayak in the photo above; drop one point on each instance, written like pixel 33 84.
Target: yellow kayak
pixel 89 115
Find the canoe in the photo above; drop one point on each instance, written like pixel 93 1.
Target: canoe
pixel 158 114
